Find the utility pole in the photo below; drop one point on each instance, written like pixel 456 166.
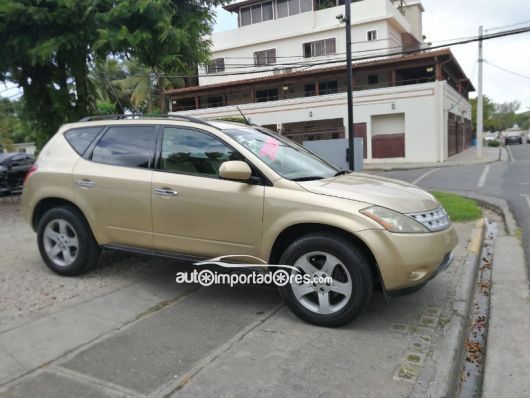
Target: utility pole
pixel 347 5
pixel 480 98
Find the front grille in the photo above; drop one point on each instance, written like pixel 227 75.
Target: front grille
pixel 435 220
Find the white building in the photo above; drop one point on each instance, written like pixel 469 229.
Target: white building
pixel 26 147
pixel 284 67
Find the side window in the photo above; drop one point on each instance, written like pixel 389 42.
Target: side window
pixel 80 139
pixel 129 146
pixel 190 151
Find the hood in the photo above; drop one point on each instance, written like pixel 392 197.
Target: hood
pixel 380 191
pixel 3 169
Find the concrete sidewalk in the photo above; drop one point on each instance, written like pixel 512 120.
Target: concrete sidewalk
pixel 158 338
pixel 508 350
pixel 467 157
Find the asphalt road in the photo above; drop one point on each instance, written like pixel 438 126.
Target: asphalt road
pixel 506 180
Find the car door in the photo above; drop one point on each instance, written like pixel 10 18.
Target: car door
pixel 112 185
pixel 195 212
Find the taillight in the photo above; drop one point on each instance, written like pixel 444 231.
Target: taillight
pixel 32 170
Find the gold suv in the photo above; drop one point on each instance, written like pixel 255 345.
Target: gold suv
pixel 200 189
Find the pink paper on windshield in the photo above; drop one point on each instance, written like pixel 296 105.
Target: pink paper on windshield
pixel 270 148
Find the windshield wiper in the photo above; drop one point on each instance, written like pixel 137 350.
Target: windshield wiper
pixel 309 178
pixel 342 172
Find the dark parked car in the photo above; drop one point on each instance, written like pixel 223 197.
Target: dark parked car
pixel 13 168
pixel 513 138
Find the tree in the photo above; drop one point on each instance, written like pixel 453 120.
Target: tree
pixel 48 47
pixel 497 117
pixel 489 109
pixel 13 126
pixel 523 120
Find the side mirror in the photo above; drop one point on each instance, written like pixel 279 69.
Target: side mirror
pixel 13 164
pixel 235 170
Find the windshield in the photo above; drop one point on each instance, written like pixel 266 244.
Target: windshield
pixel 284 156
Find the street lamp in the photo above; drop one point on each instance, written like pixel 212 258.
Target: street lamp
pixel 349 83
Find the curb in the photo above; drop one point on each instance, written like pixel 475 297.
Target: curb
pixel 446 379
pixel 443 380
pixel 497 205
pixel 434 165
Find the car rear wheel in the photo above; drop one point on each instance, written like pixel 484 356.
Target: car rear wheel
pixel 337 280
pixel 66 243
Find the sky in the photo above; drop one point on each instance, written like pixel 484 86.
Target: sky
pixel 448 19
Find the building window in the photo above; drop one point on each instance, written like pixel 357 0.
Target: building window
pixel 256 13
pixel 267 95
pixel 373 79
pixel 183 104
pixel 371 35
pixel 310 90
pixel 267 11
pixel 328 87
pixel 306 5
pixel 286 8
pixel 245 16
pixel 265 57
pixel 215 102
pixel 319 48
pixel 216 65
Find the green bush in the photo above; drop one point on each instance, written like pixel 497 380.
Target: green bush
pixel 494 143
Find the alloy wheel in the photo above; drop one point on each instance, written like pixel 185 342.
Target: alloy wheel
pixel 333 289
pixel 60 242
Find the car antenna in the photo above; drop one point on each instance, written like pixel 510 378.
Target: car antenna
pixel 244 117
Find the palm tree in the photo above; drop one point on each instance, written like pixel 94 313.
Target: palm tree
pixel 146 87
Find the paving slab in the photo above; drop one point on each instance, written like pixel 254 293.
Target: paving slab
pixel 42 339
pixel 50 385
pixel 383 353
pixel 159 349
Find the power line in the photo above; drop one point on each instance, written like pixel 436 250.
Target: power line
pixel 472 39
pixel 507 70
pixel 344 53
pixel 112 89
pixel 508 26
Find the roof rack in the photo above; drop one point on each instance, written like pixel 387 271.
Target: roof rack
pixel 142 116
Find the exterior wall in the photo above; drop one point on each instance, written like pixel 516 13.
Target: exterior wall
pixel 425 108
pixel 413 14
pixel 26 147
pixel 288 34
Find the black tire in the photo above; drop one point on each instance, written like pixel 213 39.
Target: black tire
pixel 354 261
pixel 87 254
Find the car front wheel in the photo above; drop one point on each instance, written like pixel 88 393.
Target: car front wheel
pixel 66 243
pixel 335 283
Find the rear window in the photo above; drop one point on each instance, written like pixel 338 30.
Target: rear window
pixel 80 139
pixel 130 146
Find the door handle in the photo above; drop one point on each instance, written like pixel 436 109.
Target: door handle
pixel 165 192
pixel 85 183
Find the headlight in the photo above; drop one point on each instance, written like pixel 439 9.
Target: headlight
pixel 394 221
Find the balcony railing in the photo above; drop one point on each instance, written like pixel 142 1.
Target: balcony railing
pixel 282 95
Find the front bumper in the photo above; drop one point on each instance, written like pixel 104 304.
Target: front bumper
pixel 446 262
pixel 410 260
